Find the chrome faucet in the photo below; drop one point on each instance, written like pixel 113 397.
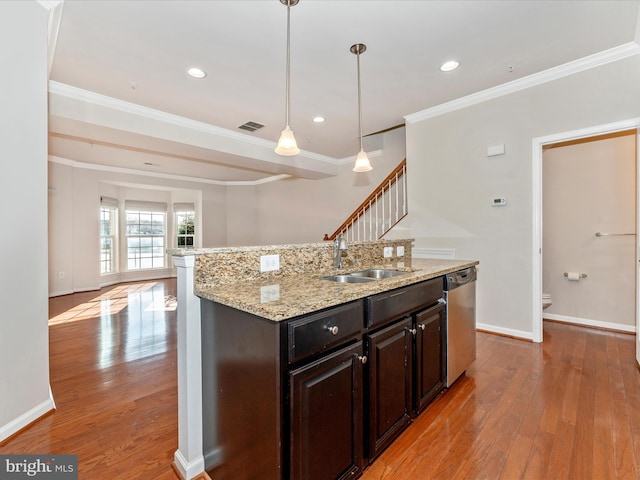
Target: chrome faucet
pixel 339 246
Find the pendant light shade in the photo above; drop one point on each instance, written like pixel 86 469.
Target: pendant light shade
pixel 362 161
pixel 287 142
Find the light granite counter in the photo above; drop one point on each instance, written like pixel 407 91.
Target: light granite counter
pixel 231 275
pixel 290 296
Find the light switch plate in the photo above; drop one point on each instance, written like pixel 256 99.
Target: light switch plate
pixel 388 252
pixel 269 263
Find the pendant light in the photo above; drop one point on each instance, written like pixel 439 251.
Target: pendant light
pixel 287 142
pixel 362 161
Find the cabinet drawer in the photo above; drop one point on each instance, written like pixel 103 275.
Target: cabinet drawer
pixel 388 306
pixel 321 331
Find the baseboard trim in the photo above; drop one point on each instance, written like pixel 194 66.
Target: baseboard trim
pixel 505 332
pixel 27 418
pixel 585 322
pixel 202 476
pixel 60 293
pixel 186 470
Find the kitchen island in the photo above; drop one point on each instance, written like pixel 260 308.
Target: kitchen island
pixel 286 389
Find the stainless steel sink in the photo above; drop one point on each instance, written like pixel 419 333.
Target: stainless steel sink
pixel 364 275
pixel 347 279
pixel 377 273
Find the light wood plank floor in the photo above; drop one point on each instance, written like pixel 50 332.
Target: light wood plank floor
pixel 566 409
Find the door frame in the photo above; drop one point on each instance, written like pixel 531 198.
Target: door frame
pixel 537 145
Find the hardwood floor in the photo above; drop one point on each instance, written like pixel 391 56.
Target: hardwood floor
pixel 113 377
pixel 566 409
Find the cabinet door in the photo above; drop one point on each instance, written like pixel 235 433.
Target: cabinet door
pixel 389 387
pixel 429 355
pixel 326 417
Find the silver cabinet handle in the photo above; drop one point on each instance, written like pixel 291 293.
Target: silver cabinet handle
pixel 333 330
pixel 442 301
pixel 363 359
pixel 422 326
pixel 412 330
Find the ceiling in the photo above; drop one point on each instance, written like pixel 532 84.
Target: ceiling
pixel 120 96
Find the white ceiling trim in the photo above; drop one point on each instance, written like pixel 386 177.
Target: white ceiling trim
pixel 602 58
pixel 166 176
pixel 87 96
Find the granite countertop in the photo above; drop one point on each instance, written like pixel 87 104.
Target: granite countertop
pixel 290 296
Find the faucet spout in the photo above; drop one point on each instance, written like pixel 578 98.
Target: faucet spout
pixel 339 246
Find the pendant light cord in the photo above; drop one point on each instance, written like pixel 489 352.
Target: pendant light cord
pixel 288 58
pixel 359 100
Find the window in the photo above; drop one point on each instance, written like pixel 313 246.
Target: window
pixel 185 224
pixel 145 235
pixel 108 211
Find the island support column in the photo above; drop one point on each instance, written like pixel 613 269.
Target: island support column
pixel 188 459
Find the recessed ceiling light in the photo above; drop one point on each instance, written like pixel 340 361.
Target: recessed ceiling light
pixel 318 119
pixel 450 65
pixel 196 72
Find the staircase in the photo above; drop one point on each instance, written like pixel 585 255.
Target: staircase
pixel 384 208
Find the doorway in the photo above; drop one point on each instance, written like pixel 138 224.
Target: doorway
pixel 589 204
pixel 537 175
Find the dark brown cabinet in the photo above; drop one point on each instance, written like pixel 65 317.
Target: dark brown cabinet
pixel 405 344
pixel 429 355
pixel 390 400
pixel 325 409
pixel 319 396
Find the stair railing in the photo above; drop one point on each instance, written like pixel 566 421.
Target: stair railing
pixel 380 211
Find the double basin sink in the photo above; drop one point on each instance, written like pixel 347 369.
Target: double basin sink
pixel 363 276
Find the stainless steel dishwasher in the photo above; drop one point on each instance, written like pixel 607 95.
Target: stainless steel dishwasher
pixel 460 297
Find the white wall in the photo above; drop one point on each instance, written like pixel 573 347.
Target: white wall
pixel 452 181
pixel 74 220
pixel 61 229
pixel 302 211
pixel 24 345
pixel 242 206
pixel 587 188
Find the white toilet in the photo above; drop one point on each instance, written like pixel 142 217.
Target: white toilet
pixel 546 300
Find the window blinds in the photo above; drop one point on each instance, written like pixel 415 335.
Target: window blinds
pixel 109 202
pixel 142 206
pixel 184 207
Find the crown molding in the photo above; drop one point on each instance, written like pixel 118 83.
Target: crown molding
pixel 602 58
pixel 166 176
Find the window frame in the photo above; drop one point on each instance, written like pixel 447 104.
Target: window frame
pixel 145 228
pixel 113 236
pixel 186 236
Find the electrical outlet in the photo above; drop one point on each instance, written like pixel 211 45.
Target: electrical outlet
pixel 269 263
pixel 388 252
pixel 60 274
pixel 400 251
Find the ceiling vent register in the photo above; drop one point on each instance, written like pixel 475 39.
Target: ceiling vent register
pixel 251 126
